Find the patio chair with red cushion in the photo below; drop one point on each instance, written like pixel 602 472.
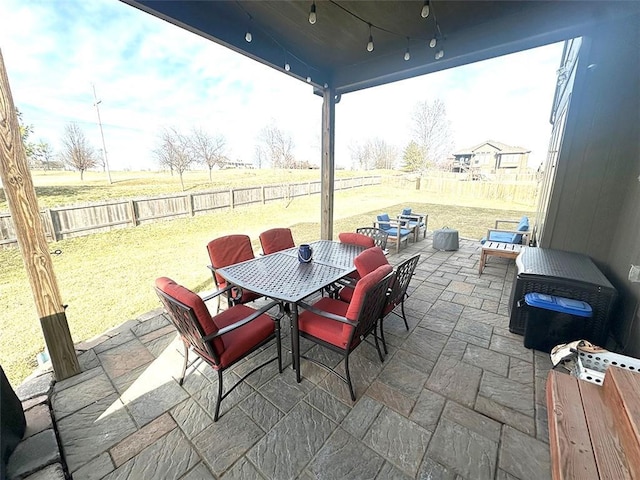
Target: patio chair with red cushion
pixel 379 236
pixel 354 238
pixel 276 240
pixel 225 251
pixel 221 340
pixel 365 263
pixel 398 293
pixel 341 326
pixel 360 240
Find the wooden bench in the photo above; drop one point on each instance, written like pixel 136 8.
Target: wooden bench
pixel 498 249
pixel 594 431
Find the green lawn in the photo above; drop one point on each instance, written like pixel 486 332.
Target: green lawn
pixel 107 278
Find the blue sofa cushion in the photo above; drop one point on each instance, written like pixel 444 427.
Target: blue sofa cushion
pixel 502 237
pixel 393 232
pixel 382 219
pixel 406 211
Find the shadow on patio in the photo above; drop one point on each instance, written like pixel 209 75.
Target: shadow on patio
pixel 458 396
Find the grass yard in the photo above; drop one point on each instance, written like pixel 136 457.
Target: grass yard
pixel 107 278
pixel 58 188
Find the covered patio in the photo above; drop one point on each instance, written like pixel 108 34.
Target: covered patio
pixel 458 396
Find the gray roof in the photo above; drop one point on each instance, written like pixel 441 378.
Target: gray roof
pixel 501 147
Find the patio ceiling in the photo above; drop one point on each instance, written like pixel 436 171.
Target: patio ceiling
pixel 333 51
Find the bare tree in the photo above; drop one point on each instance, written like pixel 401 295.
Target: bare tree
pixel 174 152
pixel 432 133
pixel 277 146
pixel 361 155
pixel 207 150
pixel 76 151
pixel 374 153
pixel 384 155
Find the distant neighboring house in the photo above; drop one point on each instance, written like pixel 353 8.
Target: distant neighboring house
pixel 491 157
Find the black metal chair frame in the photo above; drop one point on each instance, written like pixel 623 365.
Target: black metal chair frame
pixel 367 323
pixel 232 293
pixel 379 236
pixel 184 319
pixel 398 292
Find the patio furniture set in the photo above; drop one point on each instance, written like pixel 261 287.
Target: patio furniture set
pixel 408 225
pixel 357 286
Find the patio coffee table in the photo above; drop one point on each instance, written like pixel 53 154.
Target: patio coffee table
pixel 282 277
pixel 498 249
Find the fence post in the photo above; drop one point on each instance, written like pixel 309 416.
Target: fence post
pixel 190 200
pixel 132 213
pixel 264 200
pixel 231 202
pixel 50 225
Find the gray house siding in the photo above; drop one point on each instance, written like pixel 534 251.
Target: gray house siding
pixel 594 206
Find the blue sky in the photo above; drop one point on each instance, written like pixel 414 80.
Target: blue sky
pixel 149 74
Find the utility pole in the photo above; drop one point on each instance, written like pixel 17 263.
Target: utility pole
pixel 104 148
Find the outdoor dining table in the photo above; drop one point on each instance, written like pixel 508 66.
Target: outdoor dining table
pixel 281 276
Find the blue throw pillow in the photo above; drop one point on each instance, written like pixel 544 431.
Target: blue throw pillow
pixel 406 211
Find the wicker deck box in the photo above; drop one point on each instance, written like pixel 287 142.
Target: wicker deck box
pixel 563 274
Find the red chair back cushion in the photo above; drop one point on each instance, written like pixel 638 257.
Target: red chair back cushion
pixel 369 260
pixel 229 250
pixel 356 239
pixel 362 287
pixel 275 240
pixel 195 302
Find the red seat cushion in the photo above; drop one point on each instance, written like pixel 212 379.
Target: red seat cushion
pixel 276 240
pixel 363 286
pixel 241 340
pixel 369 260
pixel 195 302
pixel 356 239
pixel 323 328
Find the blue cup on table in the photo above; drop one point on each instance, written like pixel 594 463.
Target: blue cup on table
pixel 305 253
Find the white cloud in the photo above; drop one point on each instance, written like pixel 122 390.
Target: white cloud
pixel 150 74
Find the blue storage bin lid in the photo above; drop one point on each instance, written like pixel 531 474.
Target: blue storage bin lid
pixel 558 304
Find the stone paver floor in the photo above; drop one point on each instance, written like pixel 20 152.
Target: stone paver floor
pixel 457 397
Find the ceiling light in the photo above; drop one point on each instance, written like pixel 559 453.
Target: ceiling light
pixel 287 67
pixel 425 9
pixel 407 54
pixel 433 42
pixel 370 43
pixel 312 14
pixel 248 37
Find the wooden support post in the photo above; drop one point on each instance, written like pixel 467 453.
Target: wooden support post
pixel 327 172
pixel 23 205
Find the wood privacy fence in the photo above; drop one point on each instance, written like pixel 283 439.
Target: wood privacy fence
pixel 75 221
